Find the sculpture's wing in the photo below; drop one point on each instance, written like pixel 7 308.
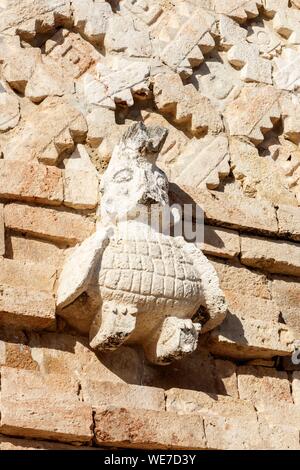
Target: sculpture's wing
pixel 79 267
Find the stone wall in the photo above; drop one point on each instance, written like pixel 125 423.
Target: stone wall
pixel 223 77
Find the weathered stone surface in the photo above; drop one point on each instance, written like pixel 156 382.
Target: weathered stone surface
pixel 58 353
pixel 9 110
pixel 237 278
pixel 229 209
pixel 253 113
pixel 276 256
pixel 220 242
pixel 91 19
pixel 289 221
pixel 80 189
pixel 2 231
pixel 25 412
pixel 253 68
pixel 35 276
pixel 252 173
pixel 185 105
pixel 251 329
pixel 30 182
pixel 296 388
pixel 103 394
pixel 51 130
pixel 127 427
pixel 286 294
pixel 229 423
pixel 23 248
pixel 26 308
pixel 13 444
pixel 263 384
pixel 48 223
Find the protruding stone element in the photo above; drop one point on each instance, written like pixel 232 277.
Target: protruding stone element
pixel 126 35
pixel 118 259
pixel 239 10
pixel 287 70
pixel 117 85
pixel 185 105
pixel 254 112
pixel 254 68
pixel 286 22
pixel 185 39
pixel 9 110
pixel 202 163
pixel 145 10
pixel 230 31
pixel 91 18
pixel 53 129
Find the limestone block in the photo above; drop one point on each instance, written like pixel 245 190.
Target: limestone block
pixel 35 276
pixel 226 381
pixel 190 402
pixel 14 444
pixel 102 394
pixel 144 10
pixel 287 70
pixel 269 43
pixel 25 308
pixel 278 437
pixel 236 278
pixel 48 223
pixel 2 231
pixel 30 182
pixel 125 34
pixel 286 23
pixel 9 110
pixel 119 84
pixel 253 112
pixel 184 40
pixel 252 173
pixel 18 63
pixel 80 161
pixel 31 17
pixel 91 18
pixel 278 412
pixel 220 242
pixel 74 54
pixel 286 294
pixel 251 330
pixel 26 413
pixel 48 79
pixel 53 128
pixel 230 31
pixel 80 189
pixel 238 9
pixel 186 106
pixel 230 210
pixel 23 248
pixel 291 124
pixel 218 81
pixel 202 163
pixel 275 256
pixel 71 356
pixel 289 221
pixel 253 68
pixel 272 6
pixel 134 428
pixel 263 384
pixel 16 354
pixel 296 388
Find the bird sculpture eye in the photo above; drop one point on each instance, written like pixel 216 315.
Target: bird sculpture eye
pixel 123 176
